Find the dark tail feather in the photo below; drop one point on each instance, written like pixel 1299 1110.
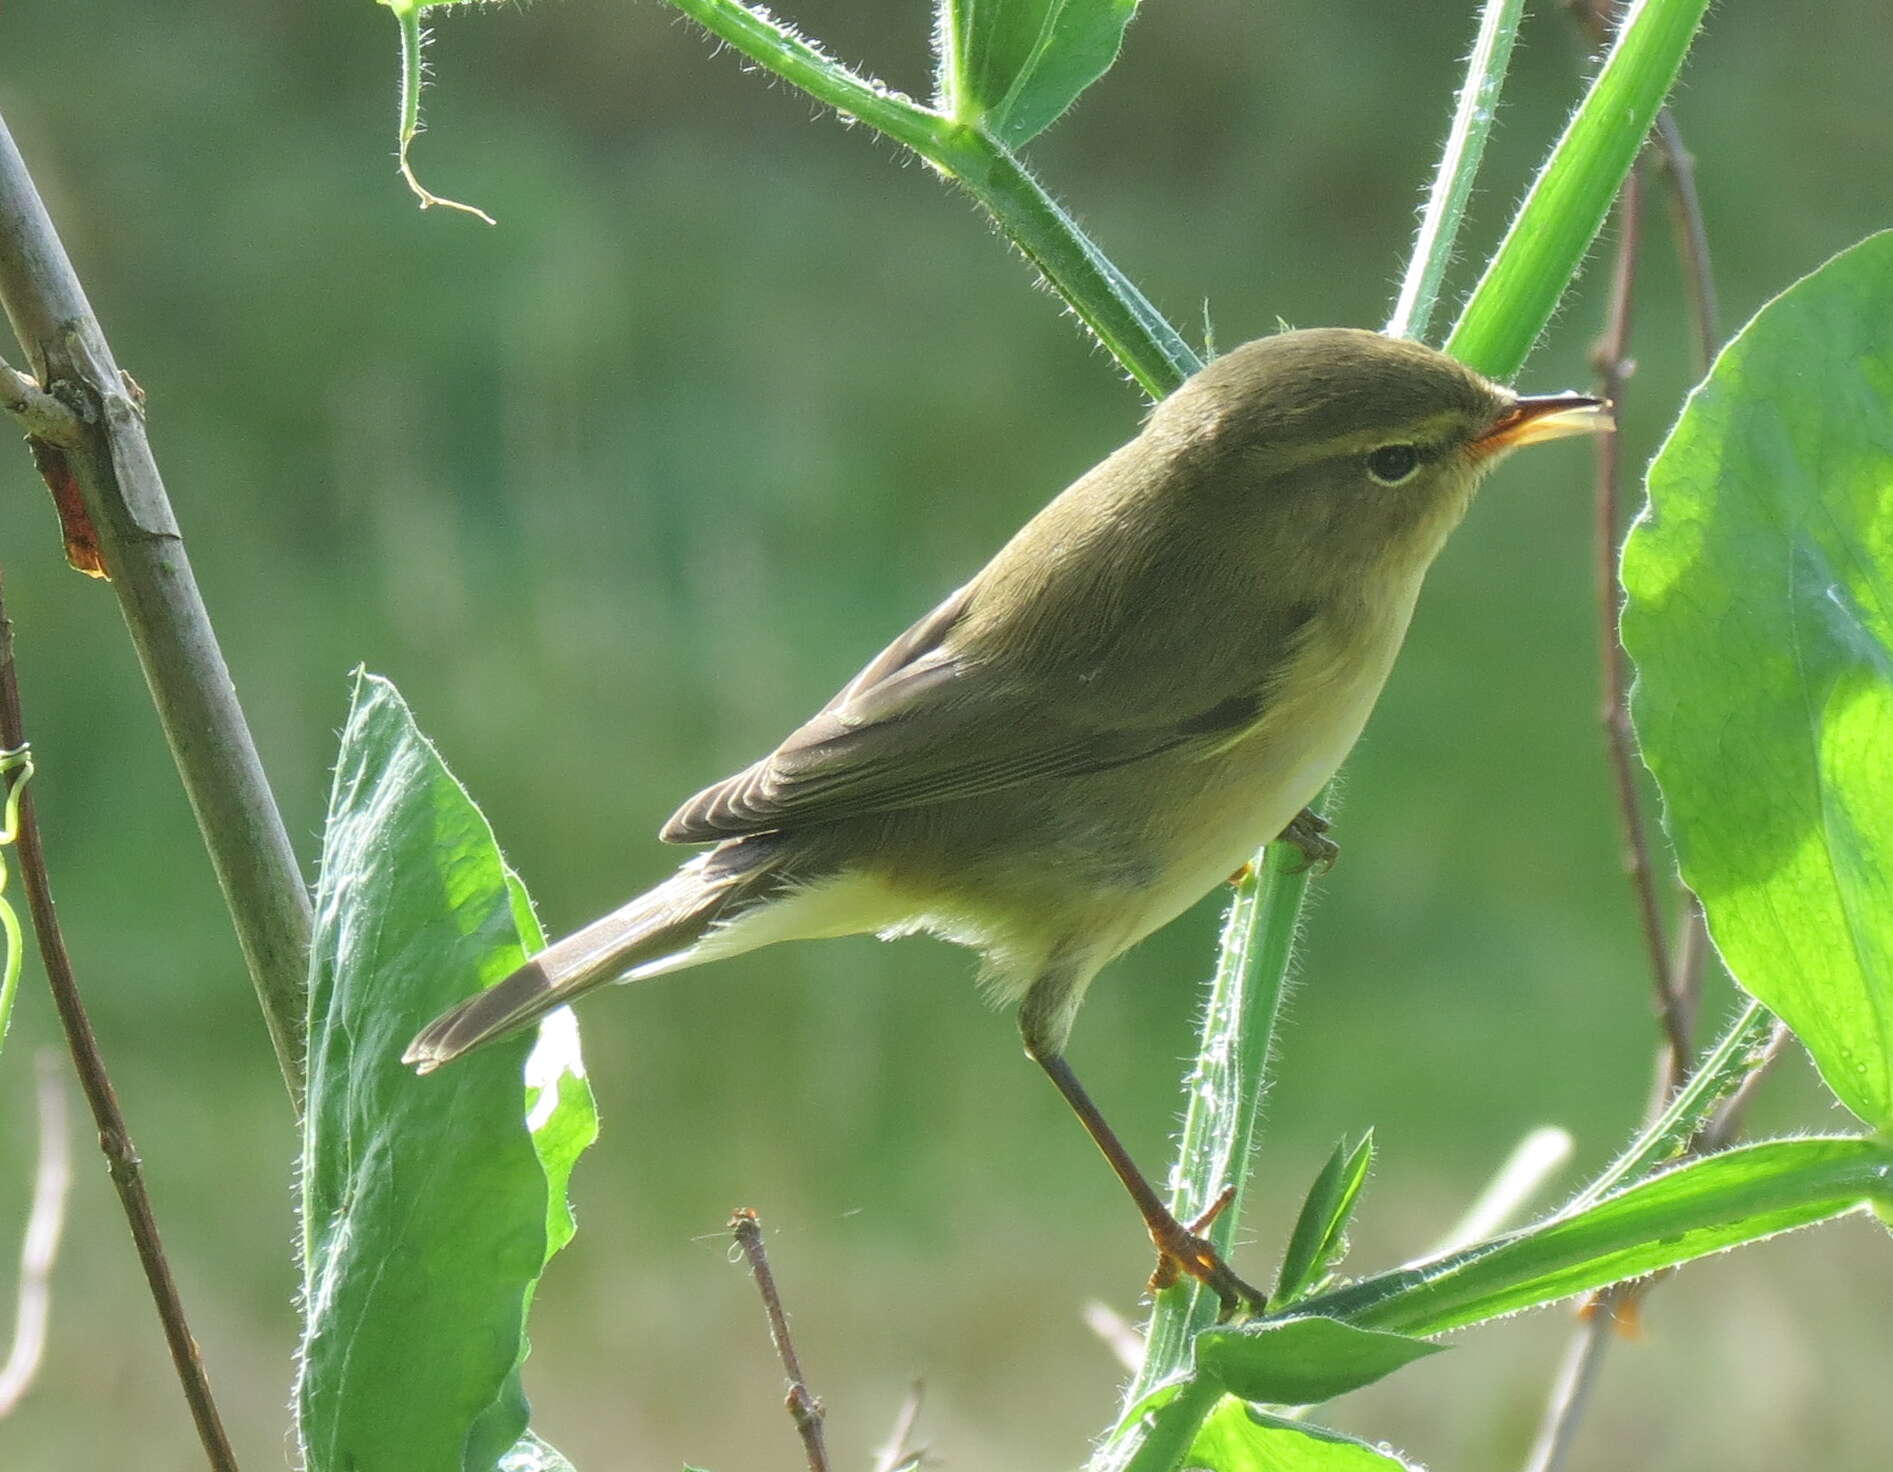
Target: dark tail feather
pixel 661 922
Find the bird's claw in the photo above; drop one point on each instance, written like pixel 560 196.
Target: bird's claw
pixel 1185 1251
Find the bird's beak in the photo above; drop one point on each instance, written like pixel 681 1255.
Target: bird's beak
pixel 1542 417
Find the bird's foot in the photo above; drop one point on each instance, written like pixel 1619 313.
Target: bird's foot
pixel 1308 831
pixel 1185 1251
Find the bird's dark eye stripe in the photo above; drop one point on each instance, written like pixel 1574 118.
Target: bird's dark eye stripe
pixel 1392 463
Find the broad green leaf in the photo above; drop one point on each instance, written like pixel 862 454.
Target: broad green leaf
pixel 1319 1238
pixel 1239 1438
pixel 429 1205
pixel 1012 67
pixel 1760 617
pixel 1702 1207
pixel 1302 1361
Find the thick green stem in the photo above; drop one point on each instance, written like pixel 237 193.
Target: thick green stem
pixel 1565 209
pixel 1164 1434
pixel 1224 1092
pixel 1104 298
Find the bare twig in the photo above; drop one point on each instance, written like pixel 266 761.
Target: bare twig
pixel 39 1248
pixel 38 413
pixel 1692 237
pixel 115 1141
pixel 1692 246
pixel 116 478
pixel 1576 1378
pixel 1610 357
pixel 804 1408
pixel 896 1454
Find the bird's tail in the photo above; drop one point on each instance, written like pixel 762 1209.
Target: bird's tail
pixel 658 925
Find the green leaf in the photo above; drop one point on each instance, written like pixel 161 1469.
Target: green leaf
pixel 1302 1361
pixel 1319 1239
pixel 1696 1209
pixel 1011 67
pixel 1760 617
pixel 429 1205
pixel 1239 1438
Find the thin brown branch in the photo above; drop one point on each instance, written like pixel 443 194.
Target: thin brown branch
pixel 804 1408
pixel 1610 357
pixel 897 1454
pixel 1692 236
pixel 1692 245
pixel 115 1141
pixel 120 498
pixel 1577 1377
pixel 39 1247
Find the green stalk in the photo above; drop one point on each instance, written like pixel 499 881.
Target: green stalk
pixel 1458 164
pixel 794 58
pixel 1167 1430
pixel 1565 209
pixel 1224 1092
pixel 1711 1083
pixel 1103 297
pixel 1118 314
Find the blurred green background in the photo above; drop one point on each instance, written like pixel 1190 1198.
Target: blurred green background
pixel 620 490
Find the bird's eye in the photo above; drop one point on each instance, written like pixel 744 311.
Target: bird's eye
pixel 1391 464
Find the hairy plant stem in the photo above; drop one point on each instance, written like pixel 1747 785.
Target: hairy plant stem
pixel 115 1141
pixel 1458 166
pixel 143 553
pixel 1566 205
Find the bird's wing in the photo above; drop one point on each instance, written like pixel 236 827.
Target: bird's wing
pixel 924 724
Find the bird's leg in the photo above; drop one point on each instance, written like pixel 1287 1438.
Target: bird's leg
pixel 1308 831
pixel 1180 1248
